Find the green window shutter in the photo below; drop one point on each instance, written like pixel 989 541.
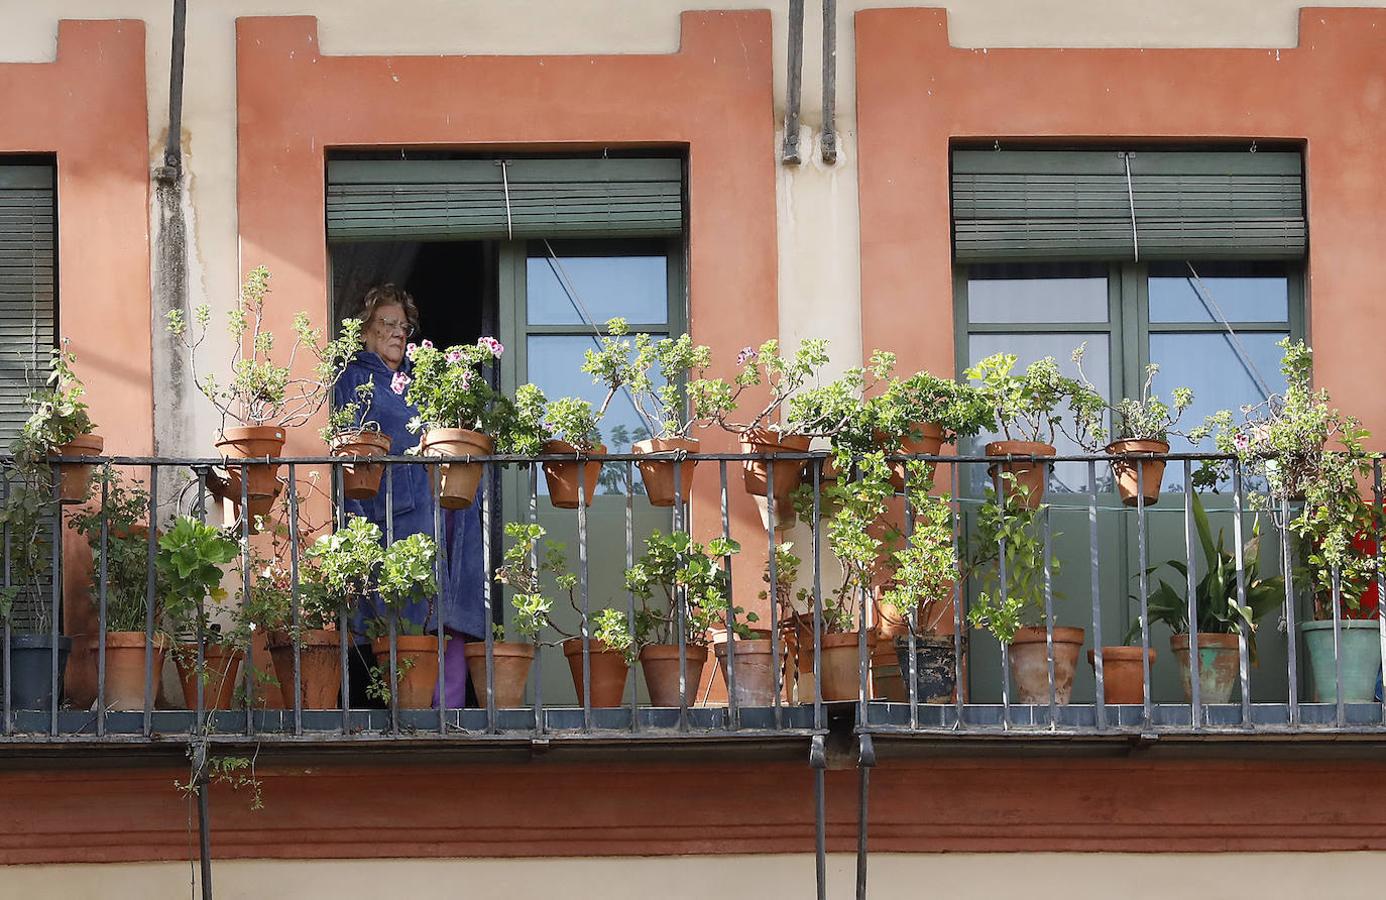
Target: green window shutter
pixel 466 198
pixel 27 273
pixel 1016 205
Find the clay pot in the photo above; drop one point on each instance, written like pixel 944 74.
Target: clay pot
pixel 222 665
pixel 886 683
pixel 254 442
pixel 1032 474
pixel 361 481
pixel 755 671
pixel 935 667
pixel 608 667
pixel 660 663
pixel 786 517
pixel 890 623
pixel 658 475
pixel 1219 666
pixel 460 480
pixel 1132 480
pixel 929 443
pixel 74 481
pixel 1359 649
pixel 416 657
pixel 838 665
pixel 319 667
pixel 260 507
pixel 788 473
pixel 1123 676
pixel 1030 666
pixel 511 662
pixel 562 477
pixel 125 668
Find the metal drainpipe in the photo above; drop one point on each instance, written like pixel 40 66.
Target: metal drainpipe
pixel 794 86
pixel 829 152
pixel 173 149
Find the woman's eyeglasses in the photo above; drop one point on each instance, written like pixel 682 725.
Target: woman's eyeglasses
pixel 394 325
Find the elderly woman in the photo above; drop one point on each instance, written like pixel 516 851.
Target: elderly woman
pixel 390 318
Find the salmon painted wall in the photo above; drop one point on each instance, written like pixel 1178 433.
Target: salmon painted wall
pixel 916 93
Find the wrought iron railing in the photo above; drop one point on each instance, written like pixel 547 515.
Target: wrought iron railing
pixel 796 704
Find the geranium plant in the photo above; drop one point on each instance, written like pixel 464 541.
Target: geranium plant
pixel 571 419
pixel 352 417
pixel 260 389
pixel 925 567
pixel 1144 418
pixel 630 363
pixel 1016 527
pixel 449 388
pixel 677 577
pixel 125 514
pixel 59 414
pixel 406 577
pixel 716 400
pixel 1039 404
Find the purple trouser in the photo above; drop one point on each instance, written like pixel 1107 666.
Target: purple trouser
pixel 454 671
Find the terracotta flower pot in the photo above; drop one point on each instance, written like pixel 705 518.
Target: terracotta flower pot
pixel 1134 480
pixel 416 657
pixel 1219 666
pixel 1032 474
pixel 360 480
pixel 1359 649
pixel 125 668
pixel 658 475
pixel 319 667
pixel 460 480
pixel 892 623
pixel 512 662
pixel 786 517
pixel 929 443
pixel 222 664
pixel 260 507
pixel 74 481
pixel 886 683
pixel 609 672
pixel 839 665
pixel 788 473
pixel 660 663
pixel 254 442
pixel 755 670
pixel 935 667
pixel 1123 676
pixel 1030 666
pixel 563 477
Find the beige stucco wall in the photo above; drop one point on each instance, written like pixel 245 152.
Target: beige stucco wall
pixel 818 203
pixel 962 876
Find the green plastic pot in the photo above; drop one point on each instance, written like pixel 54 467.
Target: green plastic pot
pixel 1359 646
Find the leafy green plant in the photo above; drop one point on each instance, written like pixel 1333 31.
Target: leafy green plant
pixel 960 410
pixel 407 577
pixel 533 610
pixel 59 415
pixel 1215 594
pixel 450 390
pixel 347 560
pixel 125 515
pixel 611 629
pixel 715 400
pixel 571 419
pixel 27 518
pixel 259 390
pixel 191 561
pixel 1145 418
pixel 788 596
pixel 525 432
pixel 1302 448
pixel 1038 404
pixel 857 534
pixel 352 417
pixel 1017 528
pixel 925 567
pixel 625 362
pixel 676 576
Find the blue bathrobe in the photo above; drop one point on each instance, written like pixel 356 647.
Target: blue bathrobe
pixel 460 604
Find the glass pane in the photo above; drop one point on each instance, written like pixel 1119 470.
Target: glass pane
pixel 555 366
pixel 1240 298
pixel 1021 294
pixel 633 287
pixel 1208 365
pixel 1071 476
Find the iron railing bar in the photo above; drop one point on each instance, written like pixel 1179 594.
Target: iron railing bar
pixel 1243 643
pixel 149 599
pixel 6 689
pixel 630 594
pixel 338 491
pixel 1003 587
pixel 776 667
pixel 1377 537
pixel 55 623
pixel 488 596
pixel 391 618
pixel 1291 638
pixel 295 612
pixel 586 697
pixel 440 577
pixel 729 676
pixel 818 718
pixel 1099 689
pixel 1195 688
pixel 1336 598
pixel 102 599
pixel 680 601
pixel 911 615
pixel 1143 573
pixel 1049 618
pixel 959 598
pixel 539 725
pixel 245 586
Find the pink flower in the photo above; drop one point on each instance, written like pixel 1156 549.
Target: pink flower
pixel 426 344
pixel 454 357
pixel 747 354
pixel 1241 441
pixel 466 379
pixel 399 382
pixel 410 349
pixel 492 345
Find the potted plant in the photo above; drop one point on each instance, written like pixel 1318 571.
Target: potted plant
pixel 1028 408
pixel 352 434
pixel 60 426
pixel 190 563
pixel 459 411
pixel 1311 459
pixel 924 569
pixel 611 654
pixel 342 567
pixel 266 398
pixel 522 571
pixel 1016 617
pixel 574 431
pixel 27 604
pixel 1220 618
pixel 405 577
pixel 917 415
pixel 715 401
pixel 1141 428
pixel 796 618
pixel 680 583
pixel 663 405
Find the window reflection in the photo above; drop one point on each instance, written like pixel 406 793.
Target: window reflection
pixel 1019 294
pixel 632 287
pixel 1241 294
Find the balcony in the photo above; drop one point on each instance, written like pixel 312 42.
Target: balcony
pixel 1293 676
